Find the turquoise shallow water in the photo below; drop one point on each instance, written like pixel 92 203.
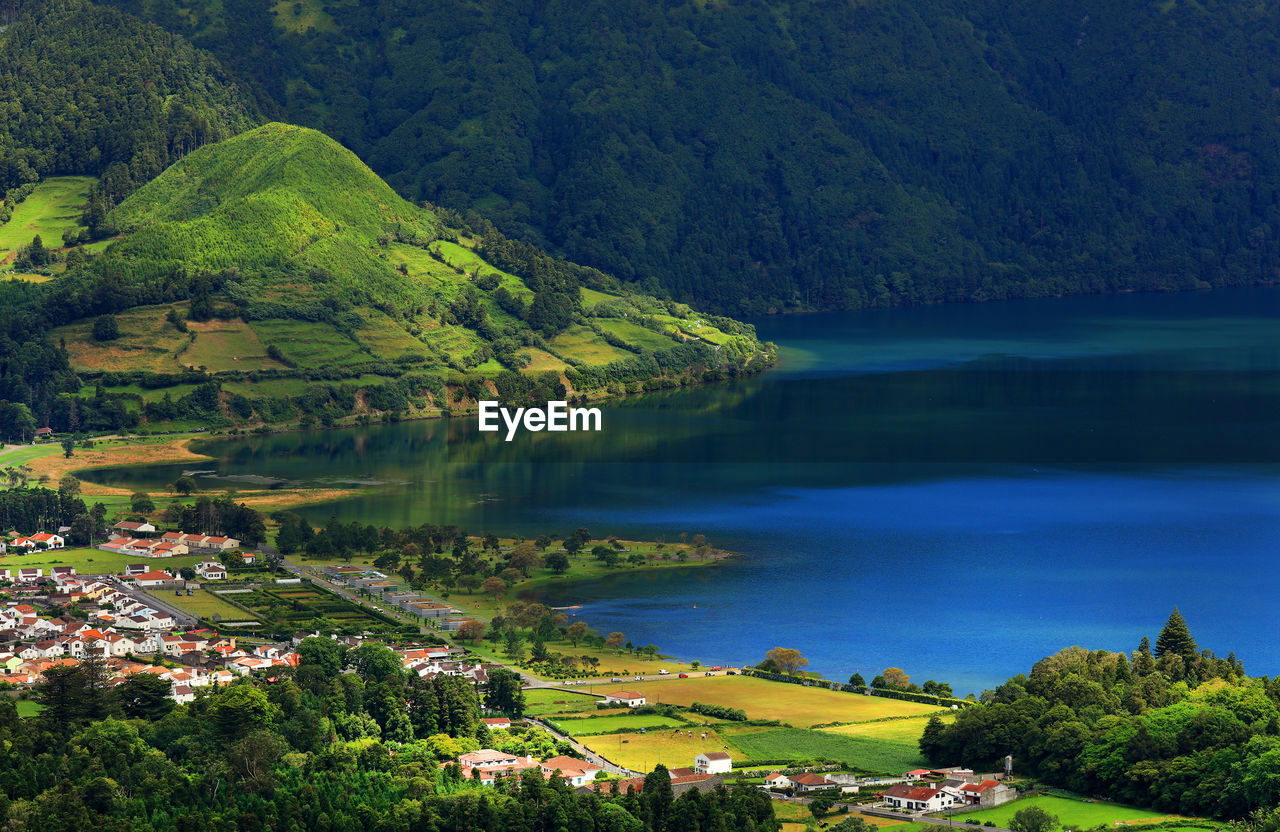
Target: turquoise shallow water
pixel 954 490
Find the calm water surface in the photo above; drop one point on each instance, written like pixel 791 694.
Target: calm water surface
pixel 954 490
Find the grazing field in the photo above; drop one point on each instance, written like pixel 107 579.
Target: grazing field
pixel 226 346
pixel 672 748
pixel 1074 814
pixel 801 744
pixel 93 561
pixel 607 724
pixel 542 360
pixel 906 731
pixel 791 704
pixel 309 344
pixel 635 334
pixel 54 207
pixel 298 16
pixel 580 343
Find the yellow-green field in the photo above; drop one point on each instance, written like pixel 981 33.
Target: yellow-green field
pixel 205 604
pixel 581 343
pixel 897 730
pixel 672 748
pixel 224 346
pixel 793 704
pixel 633 333
pixel 300 15
pixel 310 344
pixel 54 207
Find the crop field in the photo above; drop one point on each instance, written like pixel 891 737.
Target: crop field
pixel 226 346
pixel 54 207
pixel 93 561
pixel 29 278
pixel 1073 814
pixel 791 704
pixel 582 344
pixel 906 731
pixel 642 752
pixel 633 333
pixel 801 744
pixel 298 604
pixel 310 344
pixel 607 724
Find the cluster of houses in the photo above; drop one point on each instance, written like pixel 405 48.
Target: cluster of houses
pixel 393 594
pixel 29 543
pixel 950 788
pixel 486 765
pixel 131 537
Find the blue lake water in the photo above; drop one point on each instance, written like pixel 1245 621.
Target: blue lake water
pixel 957 490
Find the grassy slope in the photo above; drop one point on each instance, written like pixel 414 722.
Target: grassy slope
pixel 308 225
pixel 54 207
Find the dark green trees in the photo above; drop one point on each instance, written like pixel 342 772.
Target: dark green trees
pixel 1175 638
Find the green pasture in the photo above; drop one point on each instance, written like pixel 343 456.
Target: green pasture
pixel 54 207
pixel 1072 813
pixel 799 744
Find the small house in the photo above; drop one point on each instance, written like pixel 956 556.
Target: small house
pixel 629 698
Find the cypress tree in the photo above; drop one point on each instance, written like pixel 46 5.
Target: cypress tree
pixel 1175 638
pixel 1143 661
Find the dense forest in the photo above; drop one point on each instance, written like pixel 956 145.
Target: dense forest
pixel 750 155
pixel 312 748
pixel 1170 726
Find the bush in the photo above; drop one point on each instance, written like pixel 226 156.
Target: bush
pixel 105 328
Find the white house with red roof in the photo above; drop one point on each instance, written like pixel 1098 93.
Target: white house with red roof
pixel 630 698
pixel 133 528
pixel 211 570
pixel 498 723
pixel 713 762
pixel 49 541
pixel 917 798
pixel 156 578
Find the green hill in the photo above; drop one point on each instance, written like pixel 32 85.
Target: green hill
pixel 273 277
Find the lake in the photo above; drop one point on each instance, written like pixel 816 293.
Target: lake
pixel 957 491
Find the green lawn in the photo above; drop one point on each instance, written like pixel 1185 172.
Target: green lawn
pixel 579 342
pixel 54 207
pixel 801 744
pixel 93 561
pixel 607 724
pixel 544 701
pixel 28 708
pixel 1073 814
pixel 633 333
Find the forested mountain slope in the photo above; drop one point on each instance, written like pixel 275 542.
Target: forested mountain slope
pixel 85 89
pixel 756 155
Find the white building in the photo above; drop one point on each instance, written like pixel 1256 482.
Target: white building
pixel 713 762
pixel 630 698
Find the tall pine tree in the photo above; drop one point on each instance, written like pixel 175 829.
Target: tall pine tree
pixel 1175 639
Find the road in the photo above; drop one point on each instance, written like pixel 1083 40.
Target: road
pixel 587 754
pixel 181 618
